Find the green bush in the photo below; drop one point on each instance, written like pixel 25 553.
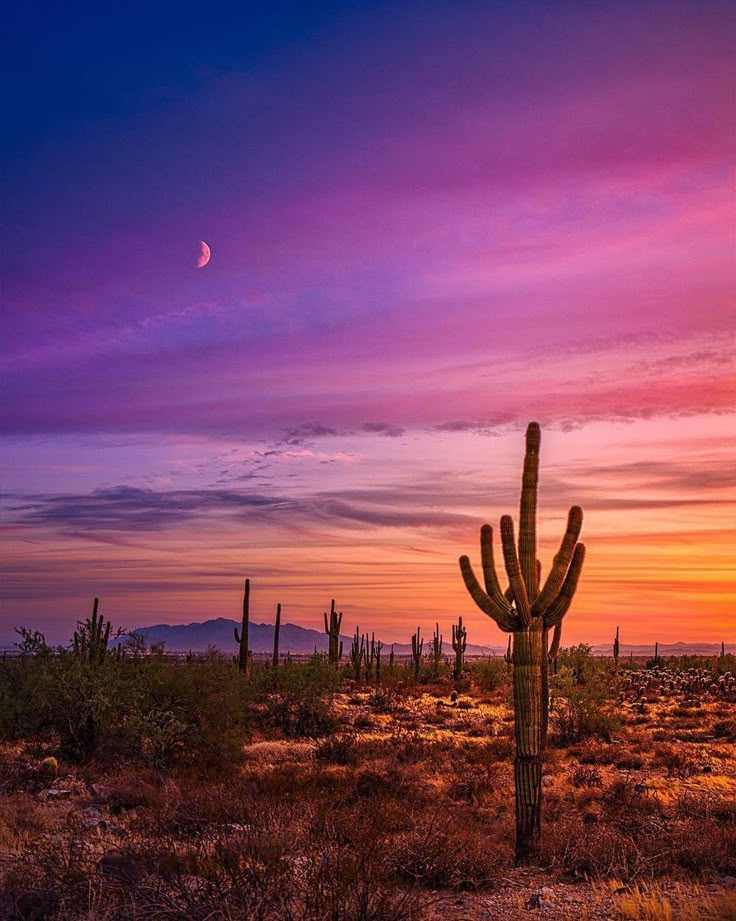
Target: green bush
pixel 150 708
pixel 490 674
pixel 578 709
pixel 296 698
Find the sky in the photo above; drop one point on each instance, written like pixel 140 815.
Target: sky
pixel 430 223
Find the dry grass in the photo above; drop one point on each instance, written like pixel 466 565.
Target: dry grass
pixel 404 810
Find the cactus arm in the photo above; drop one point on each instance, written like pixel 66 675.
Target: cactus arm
pixel 489 569
pixel 504 616
pixel 528 512
pixel 558 608
pixel 513 571
pixel 561 563
pixel 554 648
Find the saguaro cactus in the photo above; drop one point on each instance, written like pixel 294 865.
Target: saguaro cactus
pixel 332 629
pixel 528 611
pixel 459 642
pixel 244 653
pixel 356 654
pixel 276 630
pixel 616 650
pixel 91 639
pixel 436 651
pixel 417 646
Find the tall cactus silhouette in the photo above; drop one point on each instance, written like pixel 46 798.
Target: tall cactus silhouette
pixel 459 643
pixel 245 656
pixel 417 646
pixel 332 629
pixel 616 650
pixel 528 610
pixel 92 637
pixel 436 651
pixel 276 631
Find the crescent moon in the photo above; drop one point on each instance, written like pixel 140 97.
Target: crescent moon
pixel 204 255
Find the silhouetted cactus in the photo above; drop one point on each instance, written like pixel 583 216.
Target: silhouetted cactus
pixel 417 646
pixel 378 649
pixel 276 630
pixel 332 629
pixel 459 643
pixel 616 650
pixel 508 656
pixel 528 610
pixel 391 657
pixel 356 653
pixel 436 651
pixel 245 656
pixel 91 639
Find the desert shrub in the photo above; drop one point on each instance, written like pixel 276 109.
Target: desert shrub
pixel 297 698
pixel 490 674
pixel 725 729
pixel 676 762
pixel 578 709
pixel 152 709
pixel 189 713
pixel 339 749
pixel 454 853
pixel 585 776
pixel 473 783
pixel 383 699
pixel 591 851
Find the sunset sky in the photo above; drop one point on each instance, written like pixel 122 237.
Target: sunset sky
pixel 430 223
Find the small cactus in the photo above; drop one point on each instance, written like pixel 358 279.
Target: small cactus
pixel 459 643
pixel 616 649
pixel 417 647
pixel 436 651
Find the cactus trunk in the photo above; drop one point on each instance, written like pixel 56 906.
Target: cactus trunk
pixel 529 730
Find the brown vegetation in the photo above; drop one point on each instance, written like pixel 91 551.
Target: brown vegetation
pixel 303 795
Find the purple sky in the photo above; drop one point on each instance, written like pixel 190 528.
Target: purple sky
pixel 429 225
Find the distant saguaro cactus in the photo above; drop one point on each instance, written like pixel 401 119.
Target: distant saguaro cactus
pixel 276 630
pixel 616 650
pixel 528 611
pixel 332 629
pixel 459 643
pixel 436 651
pixel 245 656
pixel 92 636
pixel 417 646
pixel 356 653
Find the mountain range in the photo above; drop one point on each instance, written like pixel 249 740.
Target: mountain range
pixel 303 640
